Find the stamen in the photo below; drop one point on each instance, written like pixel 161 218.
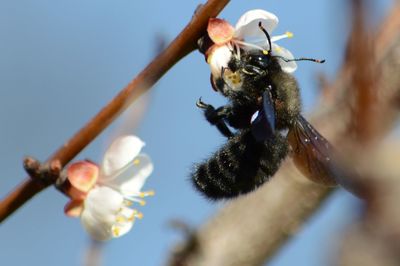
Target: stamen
pixel 287 34
pixel 139 215
pixel 132 199
pixel 142 202
pixel 146 193
pixel 127 203
pixel 249 45
pixel 136 162
pixel 127 215
pixel 132 217
pixel 135 214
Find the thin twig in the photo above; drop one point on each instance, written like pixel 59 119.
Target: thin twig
pixel 183 44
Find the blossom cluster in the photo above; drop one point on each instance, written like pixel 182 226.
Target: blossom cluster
pixel 102 196
pixel 228 40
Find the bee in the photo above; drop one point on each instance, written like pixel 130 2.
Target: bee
pixel 264 103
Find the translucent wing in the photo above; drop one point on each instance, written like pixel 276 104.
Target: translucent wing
pixel 312 154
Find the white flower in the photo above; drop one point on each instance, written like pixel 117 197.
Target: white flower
pixel 106 195
pixel 246 35
pixel 105 215
pixel 124 168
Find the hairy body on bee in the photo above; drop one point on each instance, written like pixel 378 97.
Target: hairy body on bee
pixel 255 83
pixel 243 163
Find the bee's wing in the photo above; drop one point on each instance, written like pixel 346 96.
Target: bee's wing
pixel 263 124
pixel 312 154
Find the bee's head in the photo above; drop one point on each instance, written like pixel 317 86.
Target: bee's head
pixel 258 62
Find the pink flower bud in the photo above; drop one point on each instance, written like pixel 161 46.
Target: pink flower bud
pixel 220 31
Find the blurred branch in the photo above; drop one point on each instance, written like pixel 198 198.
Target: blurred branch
pixel 183 44
pixel 253 227
pixel 374 239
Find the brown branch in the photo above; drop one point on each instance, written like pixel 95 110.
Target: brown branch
pixel 251 228
pixel 183 44
pixel 360 57
pixel 374 239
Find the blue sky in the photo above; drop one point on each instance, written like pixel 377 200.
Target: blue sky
pixel 60 62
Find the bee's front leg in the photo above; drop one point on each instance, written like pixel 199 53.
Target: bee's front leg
pixel 216 117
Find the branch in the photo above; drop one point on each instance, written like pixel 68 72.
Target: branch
pixel 374 238
pixel 251 228
pixel 183 44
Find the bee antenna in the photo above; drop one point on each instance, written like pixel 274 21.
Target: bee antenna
pixel 267 35
pixel 302 59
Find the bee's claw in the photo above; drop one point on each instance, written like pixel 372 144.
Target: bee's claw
pixel 201 104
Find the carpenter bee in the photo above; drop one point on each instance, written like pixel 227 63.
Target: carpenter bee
pixel 264 102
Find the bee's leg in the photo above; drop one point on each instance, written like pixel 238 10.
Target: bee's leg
pixel 253 70
pixel 215 117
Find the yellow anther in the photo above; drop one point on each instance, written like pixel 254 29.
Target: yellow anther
pixel 289 34
pixel 127 203
pixel 136 162
pixel 120 219
pixel 132 217
pixel 116 231
pixel 265 52
pixel 139 215
pixel 150 193
pixel 142 202
pixel 135 214
pixel 278 49
pixel 146 193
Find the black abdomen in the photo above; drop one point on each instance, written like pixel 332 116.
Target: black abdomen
pixel 239 166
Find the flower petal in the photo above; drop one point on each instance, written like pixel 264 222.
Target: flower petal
pixel 288 67
pixel 121 229
pixel 73 208
pixel 218 59
pixel 220 31
pixel 130 180
pixel 247 25
pixel 83 175
pixel 103 201
pixel 99 214
pixel 98 230
pixel 120 153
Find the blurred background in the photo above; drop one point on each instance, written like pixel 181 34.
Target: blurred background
pixel 60 62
